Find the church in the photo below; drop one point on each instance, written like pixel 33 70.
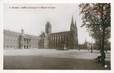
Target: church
pixel 59 40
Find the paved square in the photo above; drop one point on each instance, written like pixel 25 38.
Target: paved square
pixel 51 59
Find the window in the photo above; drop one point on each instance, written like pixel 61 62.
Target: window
pixel 24 46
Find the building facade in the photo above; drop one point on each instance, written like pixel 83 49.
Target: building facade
pixel 19 40
pixel 47 39
pixel 59 40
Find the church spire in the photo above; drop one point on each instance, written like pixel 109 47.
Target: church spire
pixel 72 25
pixel 72 22
pixel 75 26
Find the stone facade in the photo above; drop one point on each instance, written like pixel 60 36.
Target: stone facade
pixel 19 40
pixel 59 40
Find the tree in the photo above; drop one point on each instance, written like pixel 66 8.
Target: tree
pixel 96 17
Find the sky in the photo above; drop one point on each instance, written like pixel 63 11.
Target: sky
pixel 33 17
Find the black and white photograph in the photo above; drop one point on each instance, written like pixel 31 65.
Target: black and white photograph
pixel 62 36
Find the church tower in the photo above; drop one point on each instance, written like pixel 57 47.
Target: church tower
pixel 73 29
pixel 47 32
pixel 48 28
pixel 76 36
pixel 21 39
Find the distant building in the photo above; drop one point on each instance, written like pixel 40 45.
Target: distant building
pixel 19 40
pixel 85 45
pixel 59 40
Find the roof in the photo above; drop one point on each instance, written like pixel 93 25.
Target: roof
pixel 12 33
pixel 65 32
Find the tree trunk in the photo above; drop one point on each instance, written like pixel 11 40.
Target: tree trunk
pixel 103 37
pixel 102 47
